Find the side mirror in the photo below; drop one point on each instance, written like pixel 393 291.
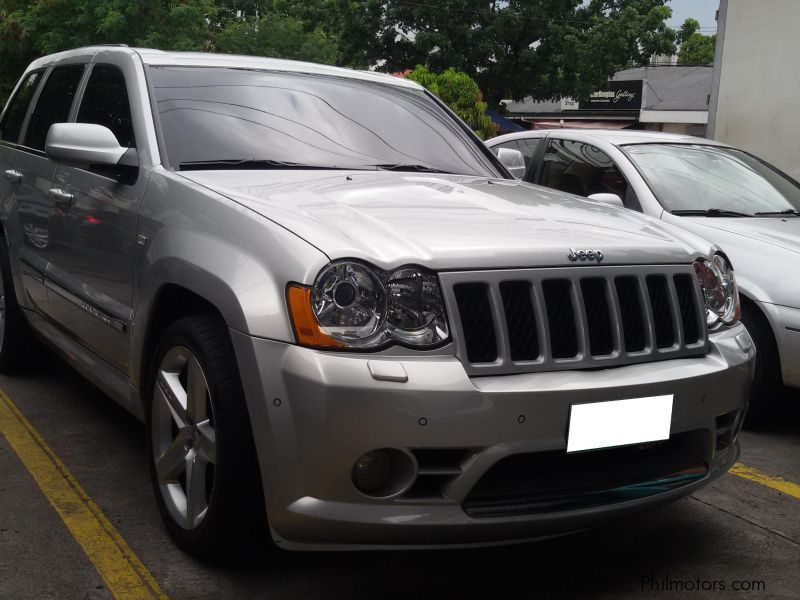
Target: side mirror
pixel 84 145
pixel 513 161
pixel 611 199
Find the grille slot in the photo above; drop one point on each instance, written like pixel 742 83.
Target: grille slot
pixel 560 318
pixel 631 310
pixel 523 334
pixel 684 287
pixel 662 312
pixel 475 310
pixel 598 316
pixel 532 320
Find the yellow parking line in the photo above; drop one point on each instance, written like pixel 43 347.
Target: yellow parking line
pixel 776 483
pixel 123 573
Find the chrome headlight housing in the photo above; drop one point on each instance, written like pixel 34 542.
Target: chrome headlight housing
pixel 718 286
pixel 357 306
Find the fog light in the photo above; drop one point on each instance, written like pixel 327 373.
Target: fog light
pixel 372 471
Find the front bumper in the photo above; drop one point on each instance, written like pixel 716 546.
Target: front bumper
pixel 315 413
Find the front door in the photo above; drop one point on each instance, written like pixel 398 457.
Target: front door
pixel 90 277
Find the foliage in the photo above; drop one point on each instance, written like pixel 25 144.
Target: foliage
pixel 278 36
pixel 695 48
pixel 32 28
pixel 460 92
pixel 514 48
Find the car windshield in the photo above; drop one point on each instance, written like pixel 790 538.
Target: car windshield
pixel 714 181
pixel 224 118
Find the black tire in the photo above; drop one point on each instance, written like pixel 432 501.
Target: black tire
pixel 768 389
pixel 16 339
pixel 235 514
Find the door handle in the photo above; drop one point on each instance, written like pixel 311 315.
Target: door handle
pixel 62 199
pixel 13 176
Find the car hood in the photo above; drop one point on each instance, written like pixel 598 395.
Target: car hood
pixel 444 221
pixel 784 233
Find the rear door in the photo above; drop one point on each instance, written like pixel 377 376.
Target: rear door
pixel 91 262
pixel 32 177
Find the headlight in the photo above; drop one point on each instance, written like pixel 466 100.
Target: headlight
pixel 718 285
pixel 354 306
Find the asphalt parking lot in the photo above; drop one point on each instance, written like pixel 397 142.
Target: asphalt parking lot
pixel 738 538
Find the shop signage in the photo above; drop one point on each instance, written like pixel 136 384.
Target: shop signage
pixel 619 95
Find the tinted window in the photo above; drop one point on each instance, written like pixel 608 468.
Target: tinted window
pixel 105 102
pixel 581 169
pixel 220 114
pixel 18 107
pixel 53 104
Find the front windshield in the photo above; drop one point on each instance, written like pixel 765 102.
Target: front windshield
pixel 213 117
pixel 712 178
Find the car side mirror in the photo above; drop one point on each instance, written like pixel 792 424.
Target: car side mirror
pixel 611 199
pixel 86 144
pixel 513 161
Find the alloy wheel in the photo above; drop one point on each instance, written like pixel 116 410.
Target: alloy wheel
pixel 183 437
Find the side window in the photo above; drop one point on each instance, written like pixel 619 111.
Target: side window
pixel 54 103
pixel 105 102
pixel 582 169
pixel 11 125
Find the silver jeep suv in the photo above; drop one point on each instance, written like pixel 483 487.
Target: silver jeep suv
pixel 340 317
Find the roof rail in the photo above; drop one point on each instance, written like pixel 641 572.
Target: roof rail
pixel 117 45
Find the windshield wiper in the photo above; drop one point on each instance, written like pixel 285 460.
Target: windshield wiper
pixel 246 163
pixel 410 168
pixel 710 212
pixel 779 213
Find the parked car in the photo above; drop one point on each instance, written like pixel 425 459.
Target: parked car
pixel 736 200
pixel 325 296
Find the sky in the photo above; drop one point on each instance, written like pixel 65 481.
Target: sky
pixel 701 10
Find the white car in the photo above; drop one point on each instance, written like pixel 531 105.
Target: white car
pixel 736 200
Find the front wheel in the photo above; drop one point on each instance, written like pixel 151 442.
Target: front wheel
pixel 201 453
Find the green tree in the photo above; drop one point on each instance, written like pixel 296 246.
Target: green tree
pixel 275 35
pixel 695 48
pixel 513 49
pixel 31 28
pixel 460 92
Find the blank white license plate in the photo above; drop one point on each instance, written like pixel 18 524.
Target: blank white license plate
pixel 619 423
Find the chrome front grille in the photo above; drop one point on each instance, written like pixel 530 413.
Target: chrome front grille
pixel 531 320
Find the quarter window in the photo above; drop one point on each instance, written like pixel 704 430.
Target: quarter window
pixel 54 103
pixel 582 169
pixel 105 102
pixel 11 125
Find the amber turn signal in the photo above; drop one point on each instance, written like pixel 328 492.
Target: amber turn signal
pixel 307 331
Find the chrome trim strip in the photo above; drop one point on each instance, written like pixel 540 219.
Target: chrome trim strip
pixel 115 322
